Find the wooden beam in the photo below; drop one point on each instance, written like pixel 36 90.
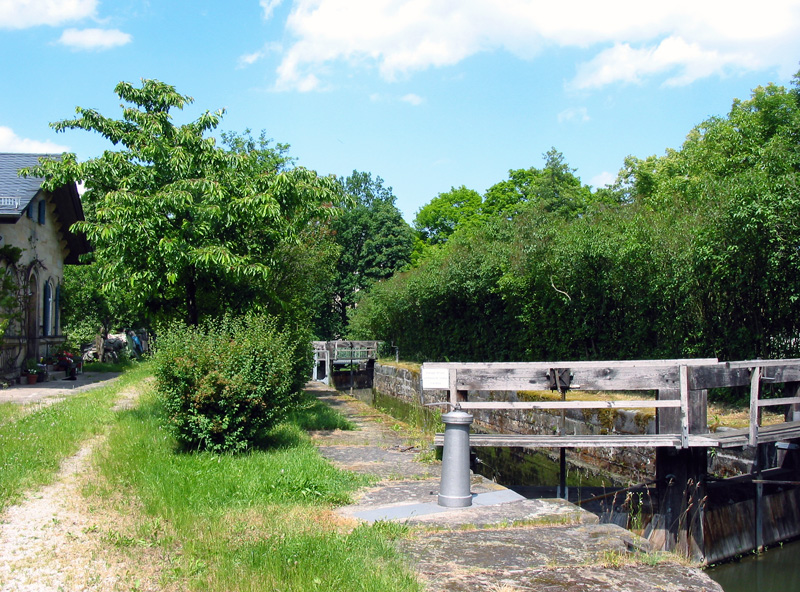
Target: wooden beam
pixel 755 388
pixel 596 378
pixel 684 380
pixel 764 363
pixel 781 401
pixel 576 364
pixel 651 404
pixel 570 441
pixel 717 376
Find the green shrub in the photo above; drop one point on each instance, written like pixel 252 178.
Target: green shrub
pixel 226 382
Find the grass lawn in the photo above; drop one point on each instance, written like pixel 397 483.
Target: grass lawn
pixel 258 521
pixel 33 444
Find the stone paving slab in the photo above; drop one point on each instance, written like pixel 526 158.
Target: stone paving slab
pixel 409 512
pixel 377 460
pixel 501 542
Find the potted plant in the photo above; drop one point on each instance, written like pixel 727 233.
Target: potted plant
pixel 32 370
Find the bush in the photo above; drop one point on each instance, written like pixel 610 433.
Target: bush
pixel 225 383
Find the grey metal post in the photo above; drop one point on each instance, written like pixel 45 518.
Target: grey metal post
pixel 454 490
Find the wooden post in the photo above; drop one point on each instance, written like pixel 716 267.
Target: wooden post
pixel 562 452
pixel 755 414
pixel 680 473
pixel 758 461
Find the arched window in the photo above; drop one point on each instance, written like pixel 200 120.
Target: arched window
pixel 47 305
pixel 57 306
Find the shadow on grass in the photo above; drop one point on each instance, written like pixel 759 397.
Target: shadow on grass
pixel 309 414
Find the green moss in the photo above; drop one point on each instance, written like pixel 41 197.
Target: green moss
pixel 607 418
pixel 642 419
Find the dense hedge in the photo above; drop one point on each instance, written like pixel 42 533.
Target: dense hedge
pixel 695 254
pixel 224 383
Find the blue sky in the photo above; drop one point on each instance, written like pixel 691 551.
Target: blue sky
pixel 427 94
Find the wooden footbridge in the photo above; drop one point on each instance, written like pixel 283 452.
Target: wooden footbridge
pixel 682 399
pixel 681 438
pixel 328 355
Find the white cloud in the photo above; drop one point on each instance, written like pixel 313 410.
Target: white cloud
pixel 20 14
pixel 631 40
pixel 249 59
pixel 412 99
pixel 269 7
pixel 87 39
pixel 574 114
pixel 11 142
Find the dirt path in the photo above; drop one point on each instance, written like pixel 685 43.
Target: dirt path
pixel 58 539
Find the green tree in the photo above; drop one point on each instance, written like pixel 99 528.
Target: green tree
pixel 554 187
pixel 87 310
pixel 446 212
pixel 170 212
pixel 375 242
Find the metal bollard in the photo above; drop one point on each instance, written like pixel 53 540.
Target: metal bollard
pixel 454 489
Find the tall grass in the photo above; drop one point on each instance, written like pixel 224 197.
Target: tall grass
pixel 32 445
pixel 261 520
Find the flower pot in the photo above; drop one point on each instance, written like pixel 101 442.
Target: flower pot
pixel 33 378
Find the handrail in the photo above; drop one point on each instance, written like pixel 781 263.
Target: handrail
pixel 681 377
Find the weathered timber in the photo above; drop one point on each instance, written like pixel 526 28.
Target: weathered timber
pixel 555 405
pixel 779 432
pixel 728 374
pixel 681 440
pixel 717 376
pixel 755 415
pixel 602 378
pixel 780 401
pixel 576 364
pixel 569 440
pixel 731 529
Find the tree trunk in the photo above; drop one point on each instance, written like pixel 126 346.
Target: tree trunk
pixel 192 314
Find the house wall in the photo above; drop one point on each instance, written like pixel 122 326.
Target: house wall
pixel 43 252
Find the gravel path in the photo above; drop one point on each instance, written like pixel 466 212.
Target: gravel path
pixel 58 540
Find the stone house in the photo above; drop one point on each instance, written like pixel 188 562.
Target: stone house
pixel 38 223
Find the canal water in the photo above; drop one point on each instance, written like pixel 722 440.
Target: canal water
pixel 777 570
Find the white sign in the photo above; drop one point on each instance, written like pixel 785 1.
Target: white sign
pixel 435 378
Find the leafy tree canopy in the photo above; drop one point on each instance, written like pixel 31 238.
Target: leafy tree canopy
pixel 438 219
pixel 374 241
pixel 554 188
pixel 170 209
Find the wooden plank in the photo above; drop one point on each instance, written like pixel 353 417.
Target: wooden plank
pixel 453 389
pixel 731 439
pixel 569 441
pixel 576 364
pixel 684 379
pixel 651 404
pixel 598 378
pixel 789 430
pixel 781 401
pixel 755 387
pixel 764 363
pixel 718 376
pixel 729 374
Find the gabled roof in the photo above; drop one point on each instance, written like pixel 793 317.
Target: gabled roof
pixel 17 192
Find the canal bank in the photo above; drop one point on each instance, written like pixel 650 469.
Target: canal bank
pixel 503 540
